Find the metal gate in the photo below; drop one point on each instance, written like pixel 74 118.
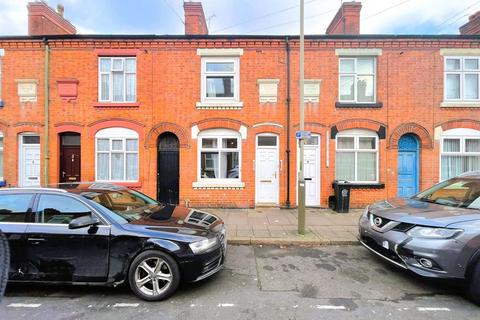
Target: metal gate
pixel 168 176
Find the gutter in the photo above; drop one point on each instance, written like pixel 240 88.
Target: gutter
pixel 287 151
pixel 46 112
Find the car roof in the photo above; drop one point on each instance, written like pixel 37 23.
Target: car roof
pixel 470 174
pixel 69 187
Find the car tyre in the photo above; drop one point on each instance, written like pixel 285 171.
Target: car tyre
pixel 473 285
pixel 154 275
pixel 4 263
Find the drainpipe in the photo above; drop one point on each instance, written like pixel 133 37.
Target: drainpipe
pixel 287 48
pixel 46 111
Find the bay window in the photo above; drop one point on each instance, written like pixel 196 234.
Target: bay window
pixel 462 79
pixel 117 79
pixel 460 152
pixel 220 79
pixel 357 80
pixel 356 158
pixel 116 155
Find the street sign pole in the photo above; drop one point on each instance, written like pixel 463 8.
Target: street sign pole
pixel 301 178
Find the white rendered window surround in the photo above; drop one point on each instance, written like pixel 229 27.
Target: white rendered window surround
pixel 461 79
pixel 459 152
pixel 357 79
pixel 116 155
pixel 1 156
pixel 356 157
pixel 219 159
pixel 117 79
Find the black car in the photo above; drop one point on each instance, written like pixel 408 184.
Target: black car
pixel 96 233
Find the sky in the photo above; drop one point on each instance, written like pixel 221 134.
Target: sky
pixel 247 16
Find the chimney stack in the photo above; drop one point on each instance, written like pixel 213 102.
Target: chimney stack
pixel 472 26
pixel 43 20
pixel 347 19
pixel 195 23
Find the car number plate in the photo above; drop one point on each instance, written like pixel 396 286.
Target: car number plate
pixel 385 245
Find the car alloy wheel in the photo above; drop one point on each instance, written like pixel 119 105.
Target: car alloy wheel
pixel 154 275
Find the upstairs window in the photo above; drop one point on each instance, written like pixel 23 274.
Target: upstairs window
pixel 461 79
pixel 220 79
pixel 117 81
pixel 357 80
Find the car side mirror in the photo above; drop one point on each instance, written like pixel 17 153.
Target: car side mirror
pixel 83 222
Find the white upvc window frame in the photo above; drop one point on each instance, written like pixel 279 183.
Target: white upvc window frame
pixel 356 134
pixel 355 76
pixel 235 74
pixel 121 134
pixel 110 83
pixel 219 134
pixel 2 155
pixel 461 72
pixel 461 134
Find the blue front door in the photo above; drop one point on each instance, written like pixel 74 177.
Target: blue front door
pixel 407 166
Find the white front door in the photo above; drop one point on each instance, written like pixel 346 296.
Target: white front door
pixel 266 170
pixel 29 161
pixel 311 170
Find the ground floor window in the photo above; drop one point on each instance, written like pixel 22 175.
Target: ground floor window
pixel 116 155
pixel 219 154
pixel 356 158
pixel 460 152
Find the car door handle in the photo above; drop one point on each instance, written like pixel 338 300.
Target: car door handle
pixel 36 241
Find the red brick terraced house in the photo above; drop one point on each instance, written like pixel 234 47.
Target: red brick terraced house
pixel 210 120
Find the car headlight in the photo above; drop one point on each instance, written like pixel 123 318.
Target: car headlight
pixel 203 245
pixel 433 233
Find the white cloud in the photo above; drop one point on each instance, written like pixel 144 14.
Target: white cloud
pixel 14 17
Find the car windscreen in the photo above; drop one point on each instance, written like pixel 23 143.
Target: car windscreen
pixel 458 192
pixel 128 204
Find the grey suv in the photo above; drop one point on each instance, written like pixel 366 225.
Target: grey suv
pixel 435 233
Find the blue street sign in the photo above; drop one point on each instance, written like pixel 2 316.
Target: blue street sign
pixel 303 135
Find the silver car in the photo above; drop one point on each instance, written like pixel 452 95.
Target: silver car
pixel 435 233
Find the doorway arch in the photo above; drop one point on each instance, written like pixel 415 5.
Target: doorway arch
pixel 168 168
pixel 408 165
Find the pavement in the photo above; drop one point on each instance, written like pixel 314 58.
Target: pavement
pixel 262 282
pixel 276 226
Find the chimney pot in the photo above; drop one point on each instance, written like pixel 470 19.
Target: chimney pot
pixel 60 9
pixel 472 26
pixel 43 20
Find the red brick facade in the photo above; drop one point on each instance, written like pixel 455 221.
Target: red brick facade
pixel 409 85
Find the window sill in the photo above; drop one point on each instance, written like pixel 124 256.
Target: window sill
pixel 128 184
pixel 218 185
pixel 117 105
pixel 375 105
pixel 228 105
pixel 356 185
pixel 460 104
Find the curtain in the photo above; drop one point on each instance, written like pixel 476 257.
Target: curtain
pixel 451 145
pixel 471 86
pixel 130 87
pixel 102 166
pixel 216 168
pixel 105 87
pixel 366 166
pixel 453 86
pixel 118 86
pixel 345 166
pixel 452 166
pixel 132 166
pixel 118 166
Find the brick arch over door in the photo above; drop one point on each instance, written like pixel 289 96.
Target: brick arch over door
pixel 215 123
pixel 68 127
pixel 115 122
pixel 157 130
pixel 27 127
pixel 358 124
pixel 426 140
pixel 267 127
pixel 460 123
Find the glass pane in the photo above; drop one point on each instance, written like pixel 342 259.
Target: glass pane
pixel 1 142
pixel 345 143
pixel 453 86
pixel 452 64
pixel 118 86
pixel 471 64
pixel 267 141
pixel 103 145
pixel 105 64
pixel 117 145
pixel 131 87
pixel 102 166
pixel 105 87
pixel 71 140
pixel 312 141
pixel 472 145
pixel 220 67
pixel 451 145
pixel 365 87
pixel 365 66
pixel 230 168
pixel 209 143
pixel 345 166
pixel 14 206
pixel 347 66
pixel 366 143
pixel 60 209
pixel 118 168
pixel 132 144
pixel 130 65
pixel 209 165
pixel 132 166
pixel 366 166
pixel 452 166
pixel 229 143
pixel 347 88
pixel 471 86
pixel 31 139
pixel 118 64
pixel 219 87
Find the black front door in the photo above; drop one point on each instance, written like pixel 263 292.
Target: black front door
pixel 70 157
pixel 168 169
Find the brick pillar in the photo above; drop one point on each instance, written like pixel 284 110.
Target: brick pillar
pixel 195 22
pixel 347 19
